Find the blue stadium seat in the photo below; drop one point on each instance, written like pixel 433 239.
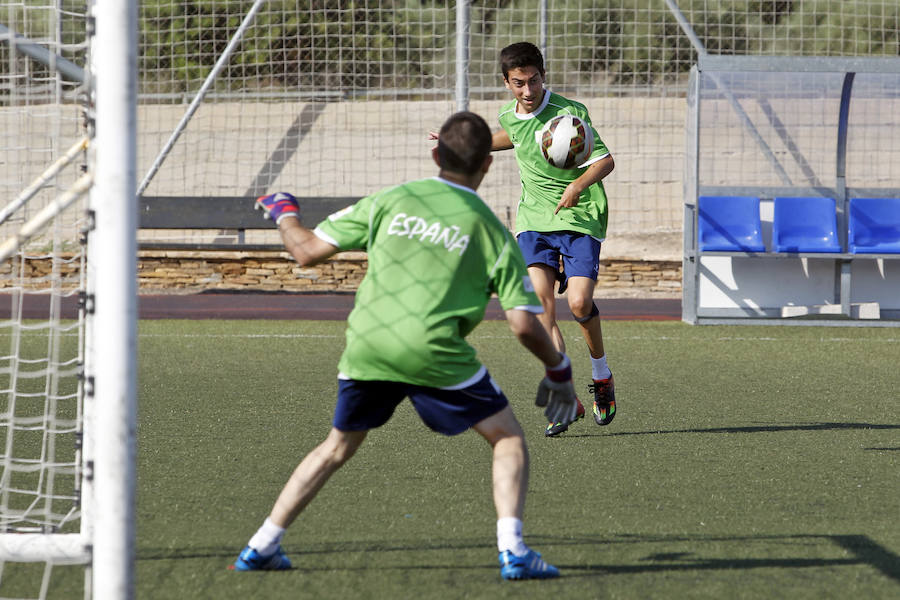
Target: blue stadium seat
pixel 729 224
pixel 805 225
pixel 874 226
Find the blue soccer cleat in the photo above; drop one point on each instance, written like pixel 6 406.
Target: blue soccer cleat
pixel 530 566
pixel 251 560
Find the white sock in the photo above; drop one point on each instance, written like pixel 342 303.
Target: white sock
pixel 267 538
pixel 509 536
pixel 599 369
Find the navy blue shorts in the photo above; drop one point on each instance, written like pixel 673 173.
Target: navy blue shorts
pixel 580 252
pixel 364 405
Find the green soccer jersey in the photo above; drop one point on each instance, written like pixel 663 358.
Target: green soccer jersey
pixel 543 184
pixel 436 255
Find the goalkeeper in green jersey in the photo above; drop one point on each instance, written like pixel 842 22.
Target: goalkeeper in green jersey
pixel 561 217
pixel 436 256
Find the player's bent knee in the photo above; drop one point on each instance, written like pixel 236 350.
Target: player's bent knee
pixel 595 312
pixel 341 446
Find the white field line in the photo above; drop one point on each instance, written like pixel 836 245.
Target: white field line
pixel 637 338
pixel 574 339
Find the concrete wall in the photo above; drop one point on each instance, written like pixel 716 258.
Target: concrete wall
pixel 355 148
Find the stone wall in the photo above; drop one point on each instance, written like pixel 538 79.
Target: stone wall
pixel 193 271
pixel 40 273
pixel 186 272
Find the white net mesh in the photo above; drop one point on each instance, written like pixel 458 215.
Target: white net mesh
pixel 40 117
pixel 336 98
pixel 41 332
pixel 780 129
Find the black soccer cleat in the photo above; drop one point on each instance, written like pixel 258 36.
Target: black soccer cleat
pixel 604 391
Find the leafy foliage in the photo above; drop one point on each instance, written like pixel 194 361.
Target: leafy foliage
pixel 353 45
pixel 343 44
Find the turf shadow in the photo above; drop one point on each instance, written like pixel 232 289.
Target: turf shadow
pixel 863 551
pixel 747 429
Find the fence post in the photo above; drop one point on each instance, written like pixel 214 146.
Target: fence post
pixel 463 24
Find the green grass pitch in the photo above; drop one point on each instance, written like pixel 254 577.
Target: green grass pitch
pixel 745 462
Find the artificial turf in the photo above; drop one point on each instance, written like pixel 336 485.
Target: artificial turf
pixel 744 462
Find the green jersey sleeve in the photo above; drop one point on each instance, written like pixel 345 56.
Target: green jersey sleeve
pixel 510 280
pixel 351 228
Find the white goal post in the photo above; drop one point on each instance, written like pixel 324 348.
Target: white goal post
pixel 89 398
pixel 112 279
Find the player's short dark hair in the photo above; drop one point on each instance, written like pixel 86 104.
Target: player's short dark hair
pixel 463 143
pixel 519 56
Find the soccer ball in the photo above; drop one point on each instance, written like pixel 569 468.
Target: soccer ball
pixel 566 141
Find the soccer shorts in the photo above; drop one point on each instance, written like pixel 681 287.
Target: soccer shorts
pixel 580 252
pixel 364 405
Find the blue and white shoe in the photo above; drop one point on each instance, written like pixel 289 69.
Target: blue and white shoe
pixel 251 560
pixel 530 566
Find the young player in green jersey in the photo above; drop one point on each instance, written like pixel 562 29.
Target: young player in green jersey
pixel 561 216
pixel 436 255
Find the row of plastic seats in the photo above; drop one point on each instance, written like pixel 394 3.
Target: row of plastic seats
pixel 732 224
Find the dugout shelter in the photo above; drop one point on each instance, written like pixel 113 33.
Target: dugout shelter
pixel 792 191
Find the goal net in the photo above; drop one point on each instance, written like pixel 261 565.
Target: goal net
pixel 337 98
pixel 41 326
pixel 63 222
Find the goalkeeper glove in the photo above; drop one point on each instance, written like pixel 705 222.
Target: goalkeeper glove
pixel 557 394
pixel 278 206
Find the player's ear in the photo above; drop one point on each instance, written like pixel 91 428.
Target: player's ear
pixel 435 156
pixel 487 163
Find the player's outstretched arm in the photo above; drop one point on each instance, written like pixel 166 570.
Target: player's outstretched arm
pixel 304 245
pixel 500 141
pixel 306 248
pixel 531 334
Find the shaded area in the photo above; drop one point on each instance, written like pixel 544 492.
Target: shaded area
pixel 862 551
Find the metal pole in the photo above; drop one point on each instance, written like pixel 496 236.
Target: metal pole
pixel 463 24
pixel 542 40
pixel 686 26
pixel 112 278
pixel 69 70
pixel 690 267
pixel 842 268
